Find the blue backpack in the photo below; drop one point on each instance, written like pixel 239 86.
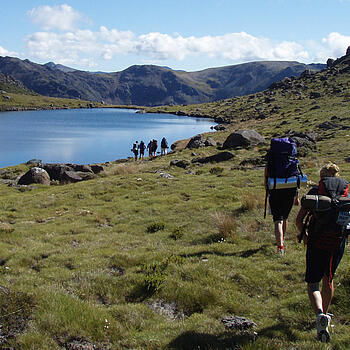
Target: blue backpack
pixel 281 159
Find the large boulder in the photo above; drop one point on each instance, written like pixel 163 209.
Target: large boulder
pixel 35 176
pixel 219 157
pixel 243 138
pixel 196 142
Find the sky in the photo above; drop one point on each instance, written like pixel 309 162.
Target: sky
pixel 190 35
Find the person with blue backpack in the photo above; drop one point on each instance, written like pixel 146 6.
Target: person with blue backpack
pixel 283 179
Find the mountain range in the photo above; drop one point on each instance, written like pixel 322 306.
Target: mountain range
pixel 150 85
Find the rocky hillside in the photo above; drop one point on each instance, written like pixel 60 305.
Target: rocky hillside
pixel 10 84
pixel 151 85
pixel 302 101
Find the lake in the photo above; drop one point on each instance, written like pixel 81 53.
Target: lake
pixel 85 136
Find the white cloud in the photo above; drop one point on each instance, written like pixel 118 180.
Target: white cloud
pixel 108 44
pixel 336 44
pixel 4 52
pixel 62 17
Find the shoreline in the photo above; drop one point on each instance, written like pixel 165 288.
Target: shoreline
pixel 118 160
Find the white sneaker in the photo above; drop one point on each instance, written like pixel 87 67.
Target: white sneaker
pixel 322 323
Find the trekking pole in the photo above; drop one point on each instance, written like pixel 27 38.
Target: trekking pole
pixel 266 196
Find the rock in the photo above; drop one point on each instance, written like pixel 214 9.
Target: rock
pixel 56 170
pixel 96 169
pixel 348 51
pixel 315 94
pixel 81 167
pixel 347 160
pixel 35 162
pixel 169 310
pixel 210 142
pixel 86 175
pixel 219 157
pixel 328 125
pixel 184 164
pixel 306 142
pixel 330 62
pixel 243 138
pixel 35 176
pixel 165 175
pixel 237 323
pixel 196 142
pixel 220 127
pixel 69 176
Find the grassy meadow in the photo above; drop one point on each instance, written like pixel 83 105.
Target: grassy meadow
pixel 136 260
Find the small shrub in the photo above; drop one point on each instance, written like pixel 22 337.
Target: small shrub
pixel 251 202
pixel 157 226
pixel 226 224
pixel 177 233
pixel 216 170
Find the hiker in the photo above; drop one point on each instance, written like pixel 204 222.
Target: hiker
pixel 282 165
pixel 135 149
pixel 149 147
pixel 325 241
pixel 154 147
pixel 163 147
pixel 142 148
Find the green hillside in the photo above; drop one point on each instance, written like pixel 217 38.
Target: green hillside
pixel 137 260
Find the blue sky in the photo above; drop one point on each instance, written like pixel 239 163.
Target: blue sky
pixel 111 35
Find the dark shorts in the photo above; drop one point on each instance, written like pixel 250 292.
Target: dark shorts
pixel 321 263
pixel 281 203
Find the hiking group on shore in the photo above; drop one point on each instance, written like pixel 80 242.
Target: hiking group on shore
pixel 323 221
pixel 139 148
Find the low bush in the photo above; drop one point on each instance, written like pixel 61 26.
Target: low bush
pixel 157 226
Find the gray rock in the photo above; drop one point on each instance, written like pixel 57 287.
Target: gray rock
pixel 184 164
pixel 243 138
pixel 348 51
pixel 219 157
pixel 220 127
pixel 315 94
pixel 237 323
pixel 56 170
pixel 96 169
pixel 35 176
pixel 70 177
pixel 196 142
pixel 330 62
pixel 210 142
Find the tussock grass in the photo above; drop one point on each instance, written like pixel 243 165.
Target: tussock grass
pixel 226 224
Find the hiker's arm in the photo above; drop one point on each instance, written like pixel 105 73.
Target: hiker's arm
pixel 296 198
pixel 299 220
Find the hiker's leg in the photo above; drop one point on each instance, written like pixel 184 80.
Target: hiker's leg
pixel 285 226
pixel 279 232
pixel 315 297
pixel 327 293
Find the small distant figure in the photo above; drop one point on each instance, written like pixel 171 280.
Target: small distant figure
pixel 135 149
pixel 154 147
pixel 149 147
pixel 164 147
pixel 142 148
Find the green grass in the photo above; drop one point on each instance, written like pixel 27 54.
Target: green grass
pixel 85 262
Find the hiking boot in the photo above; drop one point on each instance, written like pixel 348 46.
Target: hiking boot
pixel 280 250
pixel 322 323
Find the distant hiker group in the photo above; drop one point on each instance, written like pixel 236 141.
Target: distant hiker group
pixel 139 148
pixel 323 221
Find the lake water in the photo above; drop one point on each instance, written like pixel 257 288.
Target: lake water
pixel 86 136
